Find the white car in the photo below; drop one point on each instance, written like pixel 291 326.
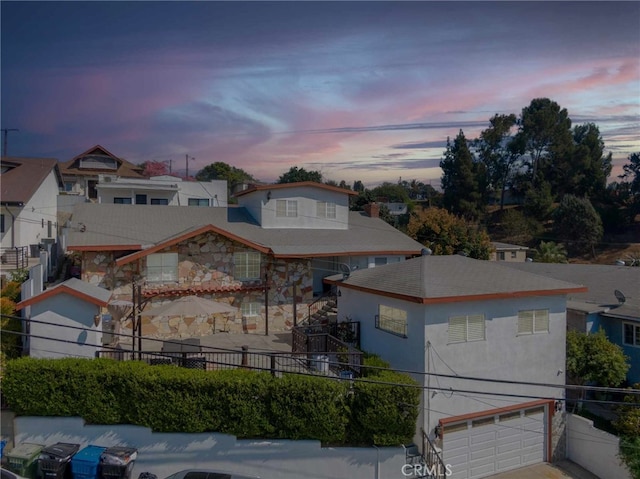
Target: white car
pixel 198 474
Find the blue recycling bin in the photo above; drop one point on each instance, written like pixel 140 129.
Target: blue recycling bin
pixel 85 463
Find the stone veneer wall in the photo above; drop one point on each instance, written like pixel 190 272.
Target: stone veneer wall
pixel 205 262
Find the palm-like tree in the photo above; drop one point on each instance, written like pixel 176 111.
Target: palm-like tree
pixel 550 252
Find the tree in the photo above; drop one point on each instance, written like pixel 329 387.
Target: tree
pixel 538 201
pixel 577 224
pixel 632 173
pixel 500 152
pixel 463 180
pixel 550 252
pixel 222 171
pixel 155 168
pixel 590 167
pixel 517 228
pixel 358 186
pixel 295 175
pixel 445 233
pixel 391 193
pixel 628 426
pixel 593 359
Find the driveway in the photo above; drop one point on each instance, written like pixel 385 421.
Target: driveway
pixel 560 470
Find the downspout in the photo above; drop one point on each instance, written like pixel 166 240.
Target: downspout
pixel 13 226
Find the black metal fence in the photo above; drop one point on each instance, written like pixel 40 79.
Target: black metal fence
pixel 17 257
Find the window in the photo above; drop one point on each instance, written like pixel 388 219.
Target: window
pixel 159 201
pixel 49 228
pixel 533 321
pixel 631 334
pixel 246 265
pixel 380 261
pixel 325 209
pixel 198 202
pixel 392 320
pixel 514 254
pixel 250 309
pixel 500 255
pixel 122 201
pixel 1 223
pixel 68 186
pixel 141 199
pixel 162 268
pixel 286 208
pixel 466 328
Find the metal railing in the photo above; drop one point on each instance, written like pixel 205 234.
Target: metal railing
pixel 17 257
pixel 432 457
pixel 319 304
pixel 317 343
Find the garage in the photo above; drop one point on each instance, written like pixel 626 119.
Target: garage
pixel 481 444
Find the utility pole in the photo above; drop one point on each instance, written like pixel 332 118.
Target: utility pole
pixel 186 158
pixel 5 131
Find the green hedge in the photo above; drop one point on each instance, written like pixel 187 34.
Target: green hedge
pixel 243 403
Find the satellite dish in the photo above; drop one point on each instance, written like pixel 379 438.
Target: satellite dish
pixel 425 251
pixel 621 298
pixel 345 269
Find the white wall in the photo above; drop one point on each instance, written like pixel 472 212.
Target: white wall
pixel 166 453
pixel 64 310
pixel 107 195
pixel 503 355
pixel 593 449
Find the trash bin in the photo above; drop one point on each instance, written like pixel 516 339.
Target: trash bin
pixel 22 459
pixel 84 465
pixel 34 250
pixel 3 444
pixel 117 462
pixel 54 461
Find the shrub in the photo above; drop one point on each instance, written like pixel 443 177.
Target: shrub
pixel 11 291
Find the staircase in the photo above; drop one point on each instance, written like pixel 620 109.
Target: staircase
pixel 323 310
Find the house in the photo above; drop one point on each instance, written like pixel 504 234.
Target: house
pixel 267 256
pixel 81 173
pixel 508 252
pixel 611 303
pixel 65 320
pixel 28 218
pixel 161 190
pixel 453 321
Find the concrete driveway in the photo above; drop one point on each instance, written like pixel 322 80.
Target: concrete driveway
pixel 560 470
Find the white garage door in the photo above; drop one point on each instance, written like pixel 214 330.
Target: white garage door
pixel 488 445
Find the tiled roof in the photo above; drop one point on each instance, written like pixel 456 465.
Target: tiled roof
pixel 431 279
pixel 508 247
pixel 135 227
pixel 125 169
pixel 24 177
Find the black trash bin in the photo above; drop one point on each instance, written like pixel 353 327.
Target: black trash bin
pixel 117 462
pixel 55 461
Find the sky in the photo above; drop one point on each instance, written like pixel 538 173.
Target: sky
pixel 364 91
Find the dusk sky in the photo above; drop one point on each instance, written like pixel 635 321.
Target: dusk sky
pixel 364 91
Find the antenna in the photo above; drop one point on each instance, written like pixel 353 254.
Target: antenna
pixel 619 296
pixel 4 145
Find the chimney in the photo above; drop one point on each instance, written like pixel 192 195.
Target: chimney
pixel 372 210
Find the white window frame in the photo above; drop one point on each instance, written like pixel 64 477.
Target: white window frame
pixel 122 200
pixel 325 209
pixel 198 202
pixel 286 208
pixel 536 323
pixel 162 268
pixel 392 320
pixel 246 265
pixel 635 334
pixel 250 309
pixel 467 328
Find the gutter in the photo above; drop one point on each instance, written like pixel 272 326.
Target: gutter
pixel 13 226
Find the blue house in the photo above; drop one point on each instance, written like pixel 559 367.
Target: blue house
pixel 612 303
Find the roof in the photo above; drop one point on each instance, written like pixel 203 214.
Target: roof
pixel 125 168
pixel 75 287
pixel 451 278
pixel 303 184
pixel 601 279
pixel 136 227
pixel 24 176
pixel 508 247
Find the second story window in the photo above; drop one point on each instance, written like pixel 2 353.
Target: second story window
pixel 122 201
pixel 392 320
pixel 198 202
pixel 286 208
pixel 533 321
pixel 162 268
pixel 246 265
pixel 466 328
pixel 325 209
pixel 159 201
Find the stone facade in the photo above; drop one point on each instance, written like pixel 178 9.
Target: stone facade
pixel 206 268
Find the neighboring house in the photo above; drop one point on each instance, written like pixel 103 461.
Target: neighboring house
pixel 601 307
pixel 508 252
pixel 457 316
pixel 263 256
pixel 81 173
pixel 28 217
pixel 66 320
pixel 161 190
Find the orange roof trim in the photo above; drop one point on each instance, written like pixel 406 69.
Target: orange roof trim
pixel 280 186
pixel 59 290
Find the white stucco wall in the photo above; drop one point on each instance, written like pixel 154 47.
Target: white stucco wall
pixel 64 310
pixel 502 355
pixel 165 453
pixel 107 195
pixel 593 449
pixel 264 210
pixel 28 225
